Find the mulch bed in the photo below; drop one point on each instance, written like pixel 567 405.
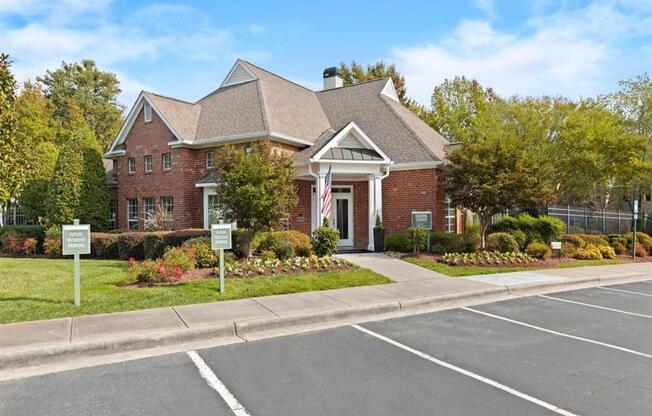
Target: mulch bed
pixel 205 273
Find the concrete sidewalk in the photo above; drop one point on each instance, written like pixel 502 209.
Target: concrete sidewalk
pixel 30 343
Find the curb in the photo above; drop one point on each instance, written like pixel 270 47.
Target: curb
pixel 243 329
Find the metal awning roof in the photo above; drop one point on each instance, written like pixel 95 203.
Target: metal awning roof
pixel 343 153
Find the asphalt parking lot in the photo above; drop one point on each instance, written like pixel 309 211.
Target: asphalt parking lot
pixel 585 352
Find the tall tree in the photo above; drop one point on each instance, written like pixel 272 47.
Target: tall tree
pixel 34 199
pixel 34 112
pixel 458 105
pixel 634 103
pixel 93 91
pixel 356 73
pixel 78 185
pixel 14 161
pixel 256 188
pixel 490 172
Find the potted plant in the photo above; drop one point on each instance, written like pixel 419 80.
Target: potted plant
pixel 379 235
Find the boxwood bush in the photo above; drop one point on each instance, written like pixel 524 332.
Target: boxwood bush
pixel 502 242
pixel 104 246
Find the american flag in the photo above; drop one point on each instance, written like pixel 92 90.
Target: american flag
pixel 326 195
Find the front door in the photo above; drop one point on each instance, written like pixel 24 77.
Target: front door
pixel 342 214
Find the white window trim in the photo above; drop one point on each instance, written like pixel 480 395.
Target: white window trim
pixel 129 163
pixel 129 219
pixel 212 159
pixel 147 112
pixel 151 163
pixel 169 155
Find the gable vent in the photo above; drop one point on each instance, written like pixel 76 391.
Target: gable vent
pixel 239 74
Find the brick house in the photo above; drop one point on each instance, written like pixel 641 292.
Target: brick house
pixel 384 159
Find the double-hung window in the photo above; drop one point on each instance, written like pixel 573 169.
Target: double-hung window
pixel 167 205
pixel 132 164
pixel 214 210
pixel 449 212
pixel 167 161
pixel 148 163
pixel 132 213
pixel 210 159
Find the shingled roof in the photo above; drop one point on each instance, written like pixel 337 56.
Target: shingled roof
pixel 260 103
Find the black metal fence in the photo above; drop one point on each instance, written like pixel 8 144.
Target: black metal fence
pixel 590 221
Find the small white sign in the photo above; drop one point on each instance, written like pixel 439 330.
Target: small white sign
pixel 635 205
pixel 556 245
pixel 221 236
pixel 76 239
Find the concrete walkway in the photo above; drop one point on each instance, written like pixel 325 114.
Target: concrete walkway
pixel 415 286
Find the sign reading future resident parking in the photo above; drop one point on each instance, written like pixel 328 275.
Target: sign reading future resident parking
pixel 422 219
pixel 76 239
pixel 221 236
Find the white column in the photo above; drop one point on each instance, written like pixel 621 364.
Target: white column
pixel 372 212
pixel 375 205
pixel 319 189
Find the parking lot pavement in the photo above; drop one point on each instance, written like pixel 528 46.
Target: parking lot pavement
pixel 586 352
pixel 168 385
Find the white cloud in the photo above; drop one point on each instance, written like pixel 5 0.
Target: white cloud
pixel 255 29
pixel 486 6
pixel 567 52
pixel 149 35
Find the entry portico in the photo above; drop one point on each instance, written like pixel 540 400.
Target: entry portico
pixel 353 158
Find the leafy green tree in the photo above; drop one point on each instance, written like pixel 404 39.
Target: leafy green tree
pixel 490 172
pixel 78 186
pixel 34 112
pixel 458 105
pixel 14 160
pixel 356 73
pixel 256 188
pixel 34 198
pixel 634 103
pixel 94 91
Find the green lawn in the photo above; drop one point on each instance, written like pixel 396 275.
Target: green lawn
pixel 459 271
pixel 32 289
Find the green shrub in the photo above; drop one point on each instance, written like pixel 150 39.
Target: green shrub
pixel 618 247
pixel 154 244
pixel 237 236
pixel 640 250
pixel 279 241
pixel 539 250
pixel 148 271
pixel 397 241
pixel 325 239
pixel 284 252
pixel 571 241
pixel 104 246
pixel 417 239
pixel 52 247
pixel 177 238
pixel 520 237
pixel 204 255
pixel 502 242
pixel 645 240
pixel 130 245
pixel 549 228
pixel 179 257
pixel 595 239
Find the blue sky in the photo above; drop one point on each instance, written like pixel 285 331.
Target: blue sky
pixel 572 48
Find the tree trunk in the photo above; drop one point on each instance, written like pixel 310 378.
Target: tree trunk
pixel 484 224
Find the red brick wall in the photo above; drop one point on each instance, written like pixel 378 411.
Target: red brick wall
pixel 303 207
pixel 179 182
pixel 412 190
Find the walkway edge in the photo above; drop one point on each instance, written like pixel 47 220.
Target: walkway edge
pixel 270 327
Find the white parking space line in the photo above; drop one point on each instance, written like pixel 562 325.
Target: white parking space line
pixel 624 291
pixel 561 334
pixel 590 305
pixel 467 373
pixel 217 385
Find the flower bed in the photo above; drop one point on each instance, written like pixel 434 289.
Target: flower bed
pixel 487 258
pixel 273 267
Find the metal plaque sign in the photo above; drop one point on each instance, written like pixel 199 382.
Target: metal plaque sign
pixel 556 245
pixel 221 236
pixel 422 219
pixel 76 239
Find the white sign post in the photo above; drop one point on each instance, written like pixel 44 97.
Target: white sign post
pixel 221 240
pixel 76 240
